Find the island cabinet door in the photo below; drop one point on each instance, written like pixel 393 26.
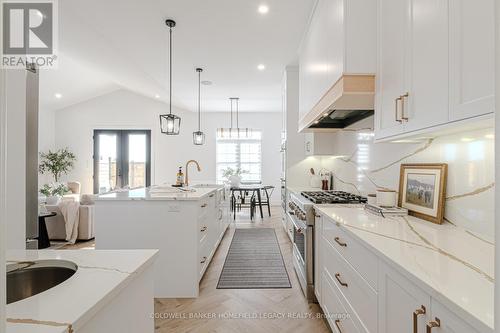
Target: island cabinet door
pixel 446 321
pixel 403 307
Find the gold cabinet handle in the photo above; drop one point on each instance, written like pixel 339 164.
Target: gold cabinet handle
pixel 221 214
pixel 203 229
pixel 339 328
pixel 342 283
pixel 338 241
pixel 417 313
pixel 204 205
pixel 403 117
pixel 211 195
pixel 396 109
pixel 203 260
pixel 435 323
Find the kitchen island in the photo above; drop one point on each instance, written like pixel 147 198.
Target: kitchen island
pixel 111 291
pixel 186 225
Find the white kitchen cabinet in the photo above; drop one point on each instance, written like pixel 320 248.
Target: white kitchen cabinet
pixel 391 69
pixel 472 60
pixel 448 321
pixel 321 144
pixel 399 299
pixel 427 102
pixel 341 39
pixel 412 89
pixel 318 258
pixel 435 65
pixel 351 278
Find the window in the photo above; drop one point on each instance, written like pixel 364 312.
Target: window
pixel 243 153
pixel 121 159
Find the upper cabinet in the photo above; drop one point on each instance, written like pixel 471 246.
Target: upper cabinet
pixel 341 39
pixel 435 65
pixel 472 58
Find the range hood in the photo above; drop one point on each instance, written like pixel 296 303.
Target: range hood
pixel 348 101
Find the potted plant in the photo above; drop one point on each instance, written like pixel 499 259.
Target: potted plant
pixel 55 163
pixel 233 176
pixel 53 192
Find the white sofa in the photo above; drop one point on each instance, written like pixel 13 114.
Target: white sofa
pixel 56 226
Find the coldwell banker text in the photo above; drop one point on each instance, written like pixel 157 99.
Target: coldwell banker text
pixel 29 34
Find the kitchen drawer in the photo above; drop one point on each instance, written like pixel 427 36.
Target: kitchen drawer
pixel 356 291
pixel 340 318
pixel 203 254
pixel 364 261
pixel 207 204
pixel 203 230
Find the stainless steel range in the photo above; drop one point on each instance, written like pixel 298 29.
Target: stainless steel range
pixel 333 197
pixel 301 213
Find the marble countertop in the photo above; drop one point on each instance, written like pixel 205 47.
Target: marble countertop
pixel 451 264
pixel 101 275
pixel 163 192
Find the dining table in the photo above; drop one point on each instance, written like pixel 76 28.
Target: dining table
pixel 256 190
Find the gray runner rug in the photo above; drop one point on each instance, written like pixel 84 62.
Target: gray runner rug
pixel 254 261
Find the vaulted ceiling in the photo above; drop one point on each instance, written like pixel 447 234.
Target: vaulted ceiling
pixel 114 44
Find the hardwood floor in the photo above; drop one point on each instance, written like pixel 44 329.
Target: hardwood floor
pixel 239 310
pixel 242 310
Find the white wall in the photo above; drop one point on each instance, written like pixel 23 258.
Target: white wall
pixel 125 110
pixel 471 176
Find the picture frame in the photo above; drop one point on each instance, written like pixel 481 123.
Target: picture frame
pixel 422 190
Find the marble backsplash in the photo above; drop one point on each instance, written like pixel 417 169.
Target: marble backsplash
pixel 367 166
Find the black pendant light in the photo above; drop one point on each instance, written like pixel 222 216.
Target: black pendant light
pixel 170 124
pixel 199 136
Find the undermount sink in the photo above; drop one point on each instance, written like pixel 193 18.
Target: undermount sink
pixel 26 279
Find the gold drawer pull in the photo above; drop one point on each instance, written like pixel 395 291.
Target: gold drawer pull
pixel 343 284
pixel 417 313
pixel 211 195
pixel 337 239
pixel 432 324
pixel 204 205
pixel 396 109
pixel 203 260
pixel 403 106
pixel 203 229
pixel 337 323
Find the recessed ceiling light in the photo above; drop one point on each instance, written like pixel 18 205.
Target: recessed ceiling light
pixel 58 95
pixel 263 9
pixel 261 67
pixel 157 96
pixel 207 83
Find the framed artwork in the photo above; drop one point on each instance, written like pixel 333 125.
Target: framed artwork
pixel 422 190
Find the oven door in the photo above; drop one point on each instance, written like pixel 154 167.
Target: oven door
pixel 300 239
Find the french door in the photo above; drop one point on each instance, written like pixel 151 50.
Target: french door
pixel 122 158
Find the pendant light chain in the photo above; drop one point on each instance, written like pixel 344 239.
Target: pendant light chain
pixel 170 71
pixel 238 114
pixel 231 112
pixel 199 99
